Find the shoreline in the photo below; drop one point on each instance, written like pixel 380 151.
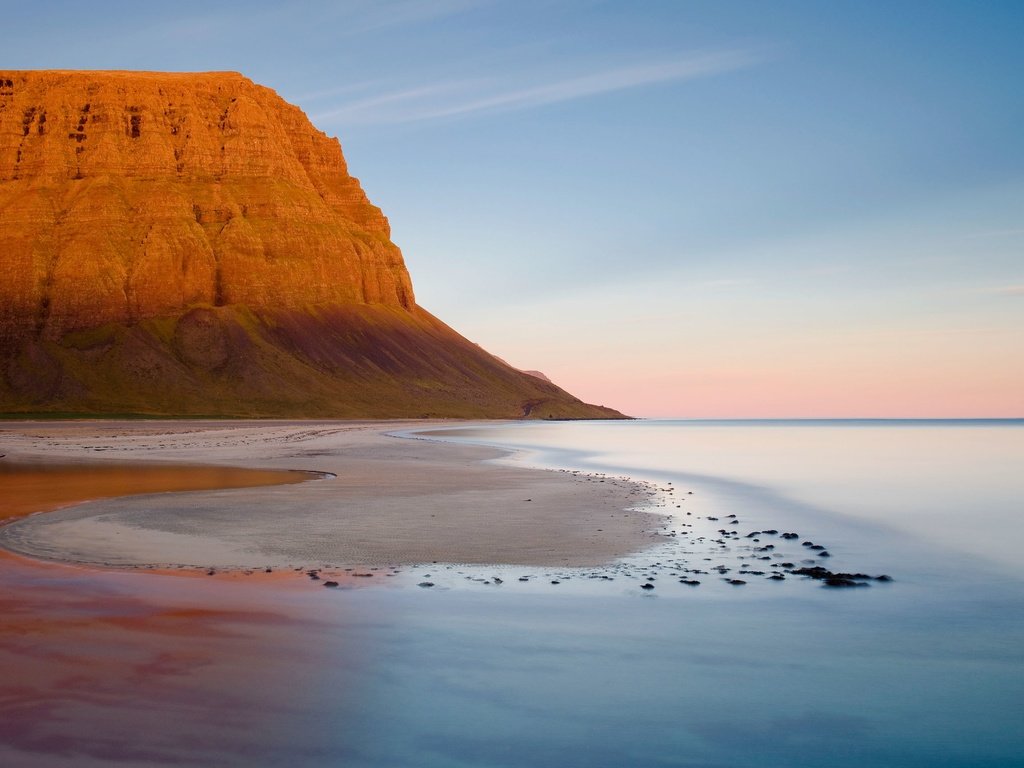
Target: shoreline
pixel 445 503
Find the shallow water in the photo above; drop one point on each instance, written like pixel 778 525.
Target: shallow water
pixel 925 671
pixel 938 487
pixel 27 486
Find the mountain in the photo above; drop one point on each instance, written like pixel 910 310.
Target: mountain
pixel 189 244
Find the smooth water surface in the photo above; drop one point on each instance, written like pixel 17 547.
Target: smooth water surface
pixel 926 671
pixel 950 486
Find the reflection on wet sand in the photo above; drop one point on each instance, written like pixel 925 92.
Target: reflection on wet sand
pixel 134 668
pixel 102 668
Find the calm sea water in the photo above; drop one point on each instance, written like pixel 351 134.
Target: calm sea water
pixel 925 671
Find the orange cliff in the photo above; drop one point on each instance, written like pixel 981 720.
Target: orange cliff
pixel 189 244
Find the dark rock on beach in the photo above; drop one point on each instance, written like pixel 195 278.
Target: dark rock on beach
pixel 839 581
pixel 831 579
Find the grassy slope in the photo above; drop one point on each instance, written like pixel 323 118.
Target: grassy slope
pixel 353 361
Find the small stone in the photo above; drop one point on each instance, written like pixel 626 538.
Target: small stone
pixel 330 583
pixel 425 584
pixel 840 581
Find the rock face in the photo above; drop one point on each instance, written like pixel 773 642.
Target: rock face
pixel 191 244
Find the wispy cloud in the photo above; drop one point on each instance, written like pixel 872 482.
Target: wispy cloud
pixel 396 100
pixel 340 90
pixel 465 98
pixel 1010 290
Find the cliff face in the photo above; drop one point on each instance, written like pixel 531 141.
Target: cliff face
pixel 128 195
pixel 190 243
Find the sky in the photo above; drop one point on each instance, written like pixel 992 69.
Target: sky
pixel 686 209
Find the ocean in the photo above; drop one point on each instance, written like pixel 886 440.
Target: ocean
pixel 925 669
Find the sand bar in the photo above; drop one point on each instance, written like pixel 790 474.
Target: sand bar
pixel 392 501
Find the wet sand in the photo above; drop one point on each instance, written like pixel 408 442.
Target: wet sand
pixel 392 501
pixel 132 669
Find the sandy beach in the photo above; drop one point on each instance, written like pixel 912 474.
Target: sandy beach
pixel 378 500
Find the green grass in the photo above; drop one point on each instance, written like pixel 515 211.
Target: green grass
pixel 78 416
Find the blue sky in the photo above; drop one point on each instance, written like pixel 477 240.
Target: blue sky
pixel 676 208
